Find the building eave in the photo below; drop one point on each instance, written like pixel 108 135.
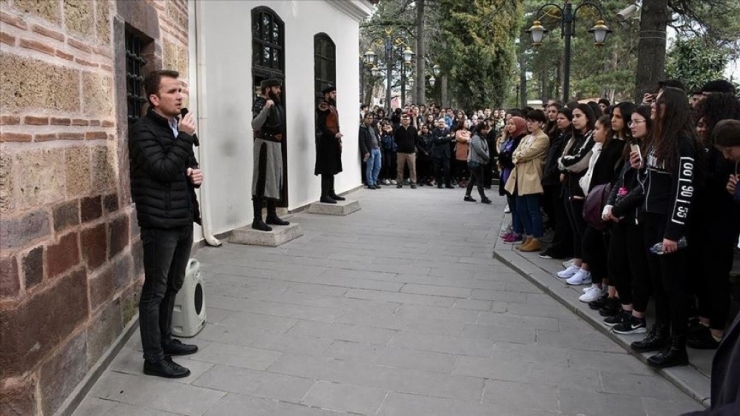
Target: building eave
pixel 356 9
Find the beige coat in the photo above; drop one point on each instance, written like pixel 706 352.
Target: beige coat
pixel 529 160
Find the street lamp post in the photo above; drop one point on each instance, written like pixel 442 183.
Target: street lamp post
pixel 388 46
pixel 567 28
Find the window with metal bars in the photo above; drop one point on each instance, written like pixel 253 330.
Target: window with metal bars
pixel 134 76
pixel 268 44
pixel 325 62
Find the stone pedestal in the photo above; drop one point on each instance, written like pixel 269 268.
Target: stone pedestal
pixel 340 208
pixel 278 236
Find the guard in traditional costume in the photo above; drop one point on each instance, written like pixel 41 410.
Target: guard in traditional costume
pixel 328 145
pixel 267 175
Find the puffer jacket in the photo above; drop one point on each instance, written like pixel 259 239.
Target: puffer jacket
pixel 164 196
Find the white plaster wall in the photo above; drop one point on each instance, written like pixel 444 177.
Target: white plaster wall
pixel 226 101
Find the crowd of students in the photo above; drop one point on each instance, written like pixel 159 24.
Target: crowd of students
pixel 642 197
pixel 635 194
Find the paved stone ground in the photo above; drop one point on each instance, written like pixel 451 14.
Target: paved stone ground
pixel 398 309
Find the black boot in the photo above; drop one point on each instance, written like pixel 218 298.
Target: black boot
pixel 336 197
pixel 258 224
pixel 333 195
pixel 272 217
pixel 327 199
pixel 671 356
pixel 656 340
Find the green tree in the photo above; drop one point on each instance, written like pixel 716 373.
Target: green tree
pixel 476 48
pixel 696 60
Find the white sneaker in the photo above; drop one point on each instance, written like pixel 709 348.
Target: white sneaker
pixel 594 292
pixel 582 277
pixel 569 272
pixel 568 263
pixel 507 210
pixel 506 230
pixel 393 182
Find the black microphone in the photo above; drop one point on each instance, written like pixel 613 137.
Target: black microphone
pixel 183 112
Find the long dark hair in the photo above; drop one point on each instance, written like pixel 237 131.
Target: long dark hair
pixel 606 122
pixel 718 107
pixel 590 117
pixel 626 108
pixel 644 111
pixel 673 119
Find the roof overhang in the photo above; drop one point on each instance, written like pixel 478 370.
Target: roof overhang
pixel 356 9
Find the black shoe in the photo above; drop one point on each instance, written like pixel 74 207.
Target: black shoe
pixel 486 201
pixel 449 187
pixel 341 198
pixel 545 254
pixel 702 340
pixel 671 356
pixel 599 302
pixel 376 186
pixel 439 186
pixel 175 347
pixel 413 186
pixel 165 368
pixel 656 340
pixel 469 198
pixel 370 187
pixel 327 200
pixel 617 319
pixel 260 225
pixel 611 307
pixel 399 186
pixel 275 220
pixel 630 325
pixel 695 325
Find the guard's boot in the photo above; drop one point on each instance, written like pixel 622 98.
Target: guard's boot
pixel 336 197
pixel 272 217
pixel 260 225
pixel 671 356
pixel 656 339
pixel 327 199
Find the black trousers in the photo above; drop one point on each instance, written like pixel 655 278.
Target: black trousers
pixel 259 202
pixel 388 169
pixel 327 184
pixel 441 169
pixel 574 211
pixel 549 199
pixel 710 265
pixel 423 170
pixel 166 255
pixel 628 265
pixel 594 252
pixel 476 178
pixel 562 241
pixel 668 278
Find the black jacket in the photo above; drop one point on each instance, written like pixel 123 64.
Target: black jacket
pixel 366 140
pixel 608 165
pixel 551 174
pixel 670 193
pixel 424 146
pixel 163 194
pixel 405 139
pixel 441 143
pixel 574 162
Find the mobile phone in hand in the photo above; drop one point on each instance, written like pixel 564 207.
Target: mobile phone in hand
pixel 636 148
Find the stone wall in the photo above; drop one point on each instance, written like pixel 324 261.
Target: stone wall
pixel 70 253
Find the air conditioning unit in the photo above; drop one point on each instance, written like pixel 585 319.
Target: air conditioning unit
pixel 189 314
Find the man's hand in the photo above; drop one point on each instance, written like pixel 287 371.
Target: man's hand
pixel 195 176
pixel 187 124
pixel 339 135
pixel 269 103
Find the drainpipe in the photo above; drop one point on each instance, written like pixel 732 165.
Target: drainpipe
pixel 202 123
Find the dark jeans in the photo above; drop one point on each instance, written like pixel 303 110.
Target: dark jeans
pixel 528 211
pixel 441 169
pixel 476 178
pixel 562 241
pixel 516 222
pixel 628 267
pixel 574 210
pixel 668 276
pixel 594 247
pixel 166 255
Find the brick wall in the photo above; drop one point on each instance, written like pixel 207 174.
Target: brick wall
pixel 70 253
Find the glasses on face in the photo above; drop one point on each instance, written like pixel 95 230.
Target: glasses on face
pixel 635 123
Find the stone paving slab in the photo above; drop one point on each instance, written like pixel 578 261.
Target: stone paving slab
pixel 399 309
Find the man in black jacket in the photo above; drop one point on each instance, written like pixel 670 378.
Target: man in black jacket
pixel 164 173
pixel 441 154
pixel 405 137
